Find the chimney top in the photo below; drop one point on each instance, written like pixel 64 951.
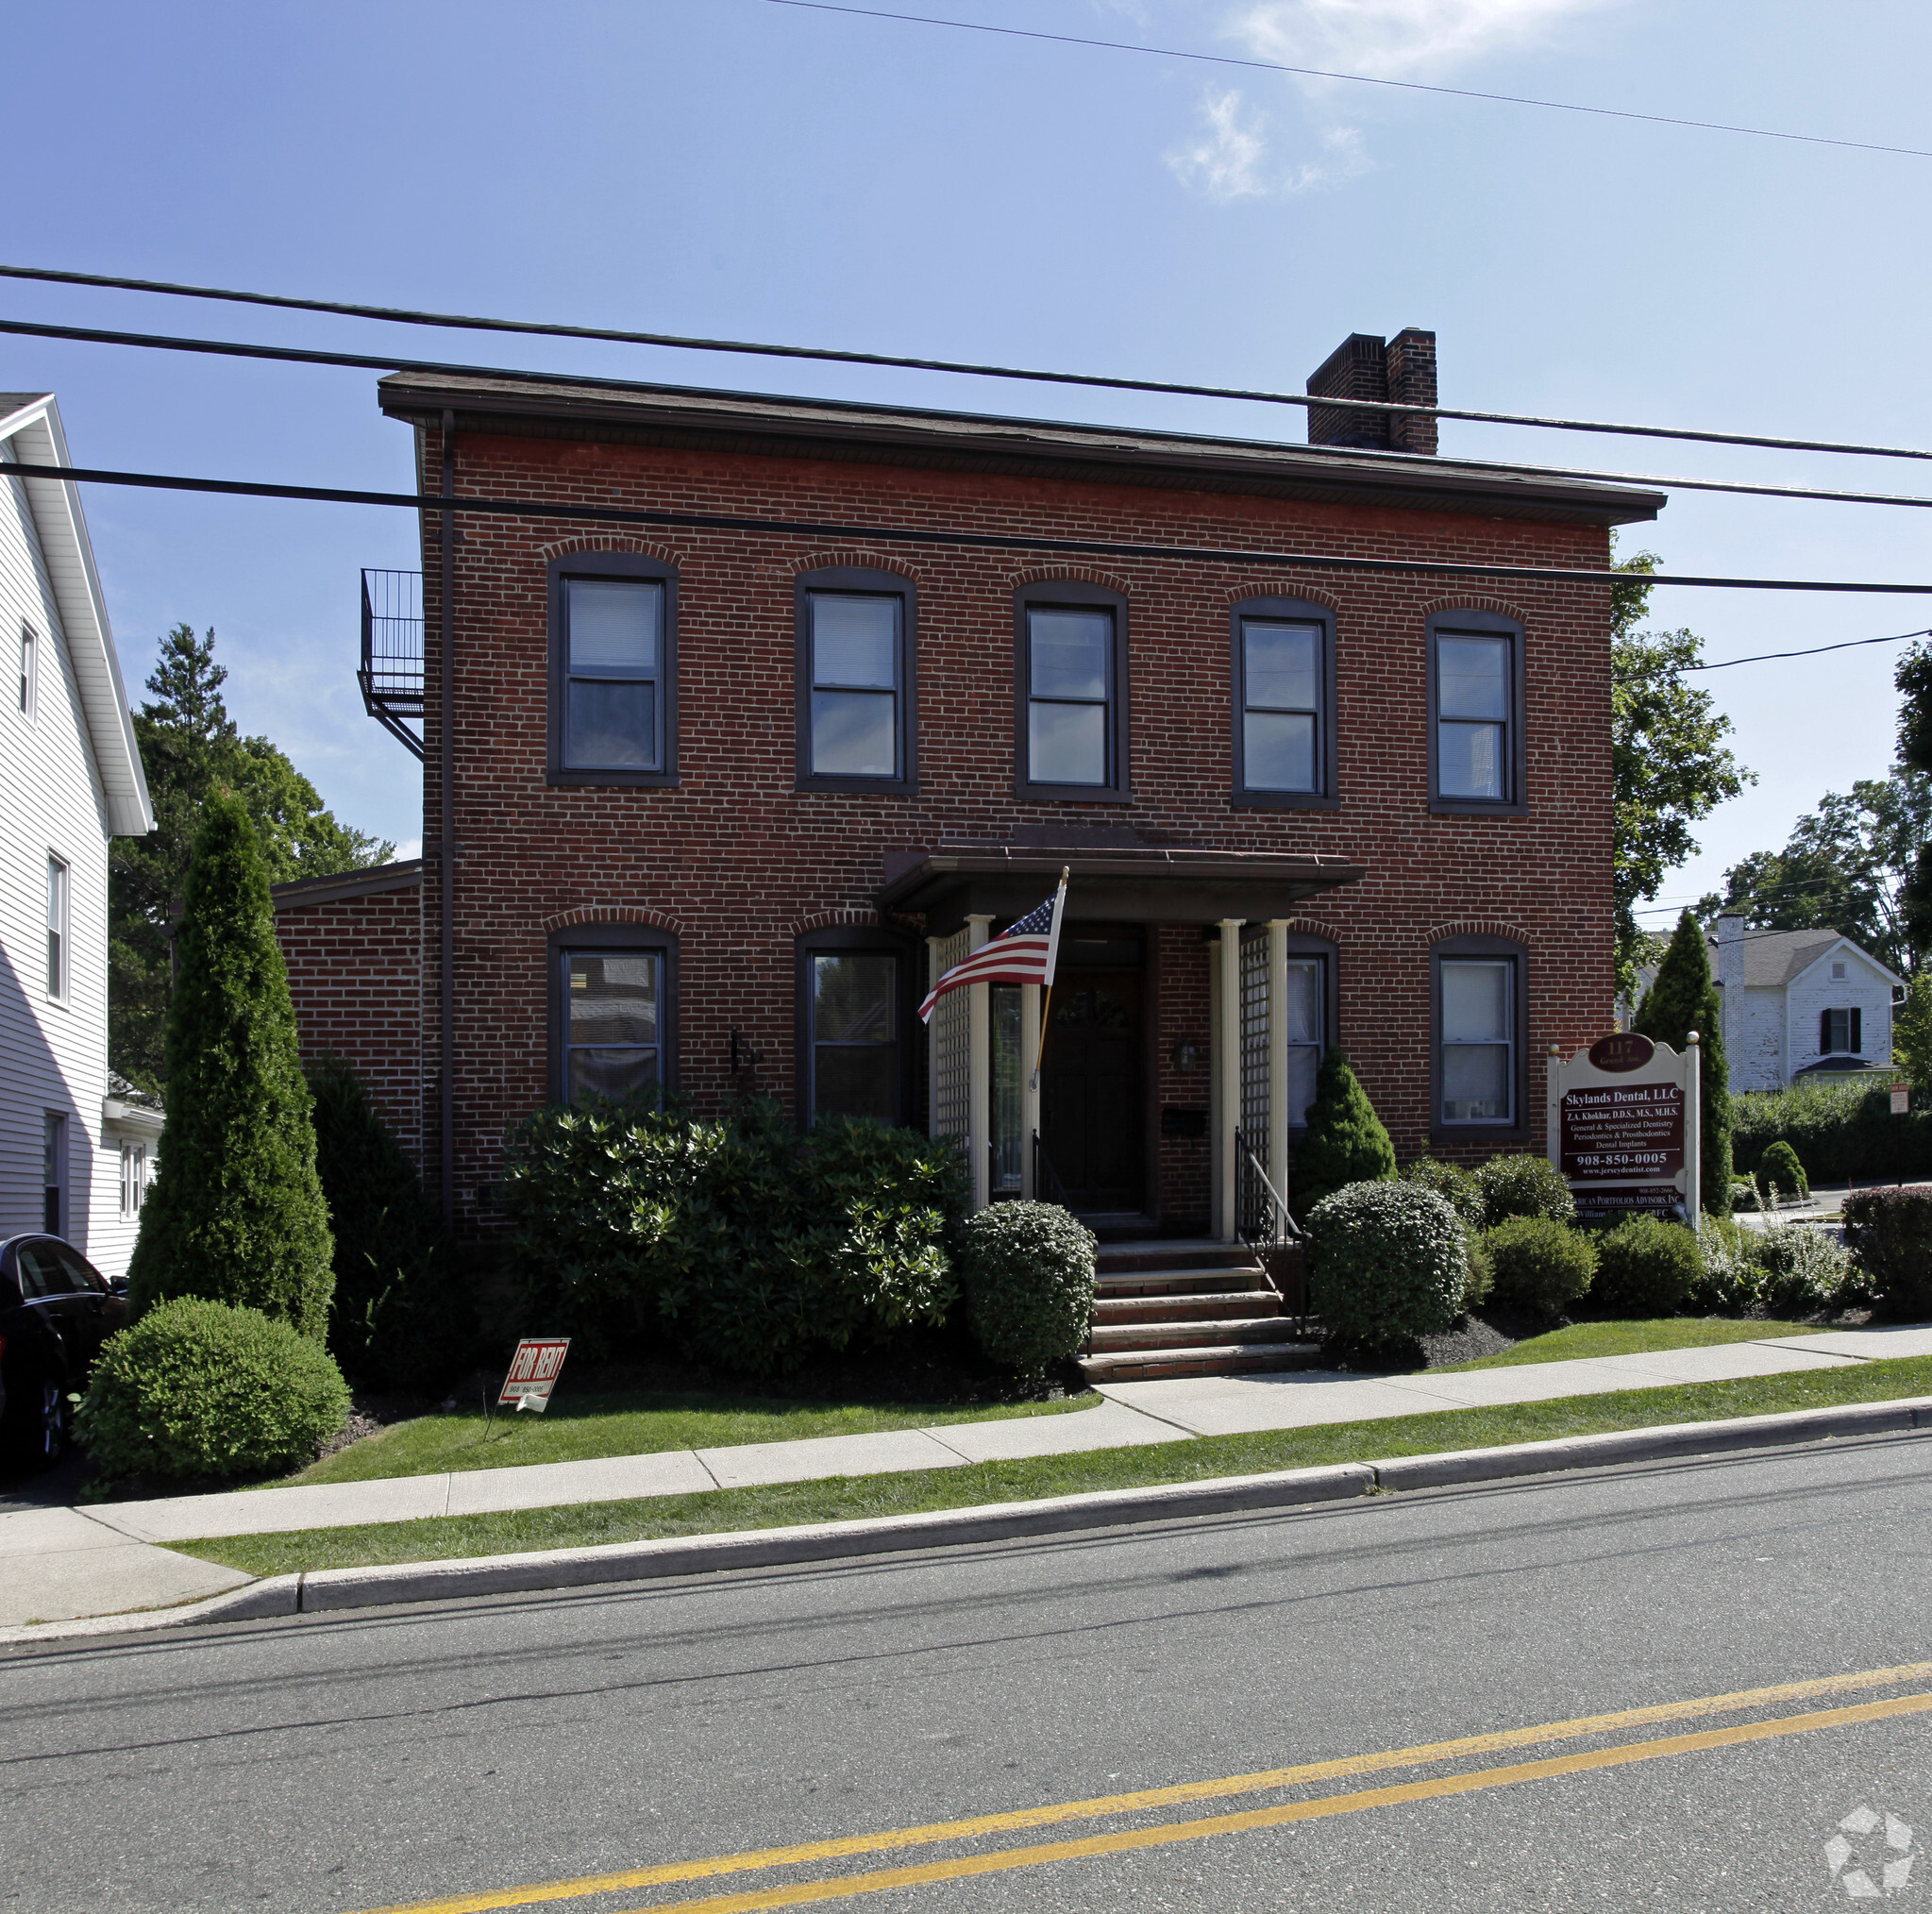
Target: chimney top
pixel 1365 366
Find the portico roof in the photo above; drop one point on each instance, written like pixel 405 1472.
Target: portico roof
pixel 1146 883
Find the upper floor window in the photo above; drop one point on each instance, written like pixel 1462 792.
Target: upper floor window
pixel 1072 693
pixel 856 694
pixel 1477 698
pixel 57 929
pixel 1840 1032
pixel 30 669
pixel 1480 1046
pixel 612 1036
pixel 613 670
pixel 1283 698
pixel 852 1040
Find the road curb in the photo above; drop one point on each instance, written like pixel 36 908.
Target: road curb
pixel 338 1590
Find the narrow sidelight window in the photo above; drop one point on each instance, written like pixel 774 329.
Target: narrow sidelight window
pixel 1478 1027
pixel 1307 1023
pixel 30 669
pixel 56 930
pixel 613 1014
pixel 133 1177
pixel 855 652
pixel 1840 1032
pixel 1474 681
pixel 54 1177
pixel 614 673
pixel 1282 675
pixel 853 1006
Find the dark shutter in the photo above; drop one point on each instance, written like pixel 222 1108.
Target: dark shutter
pixel 1824 1033
pixel 1857 1043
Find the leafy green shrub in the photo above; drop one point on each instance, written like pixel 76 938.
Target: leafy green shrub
pixel 1386 1263
pixel 237 1214
pixel 1889 1233
pixel 1779 1171
pixel 1837 1130
pixel 1344 1142
pixel 1542 1266
pixel 1523 1186
pixel 1481 1267
pixel 1745 1194
pixel 1801 1271
pixel 1728 1283
pixel 198 1388
pixel 741 1241
pixel 1450 1180
pixel 1645 1266
pixel 403 1319
pixel 1026 1269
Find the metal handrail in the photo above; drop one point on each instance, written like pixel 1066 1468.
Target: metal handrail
pixel 1261 1212
pixel 390 673
pixel 1046 1176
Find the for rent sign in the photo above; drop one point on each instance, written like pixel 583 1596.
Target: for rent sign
pixel 1624 1127
pixel 533 1371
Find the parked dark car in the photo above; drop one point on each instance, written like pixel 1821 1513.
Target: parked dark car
pixel 55 1310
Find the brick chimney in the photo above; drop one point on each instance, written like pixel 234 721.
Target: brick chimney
pixel 1731 988
pixel 1365 366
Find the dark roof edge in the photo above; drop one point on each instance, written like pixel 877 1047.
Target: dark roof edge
pixel 795 427
pixel 366 883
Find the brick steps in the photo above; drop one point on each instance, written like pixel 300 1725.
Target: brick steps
pixel 1147 1366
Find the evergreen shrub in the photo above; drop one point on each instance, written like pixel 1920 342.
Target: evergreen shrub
pixel 236 1214
pixel 1386 1263
pixel 738 1241
pixel 1027 1270
pixel 1450 1180
pixel 1542 1266
pixel 1523 1186
pixel 1645 1266
pixel 1344 1143
pixel 1780 1173
pixel 198 1388
pixel 1889 1234
pixel 403 1319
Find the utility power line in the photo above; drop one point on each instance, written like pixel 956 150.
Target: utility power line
pixel 681 341
pixel 1353 79
pixel 1810 651
pixel 1092 548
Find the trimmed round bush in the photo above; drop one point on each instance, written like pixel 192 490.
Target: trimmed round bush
pixel 1780 1172
pixel 1523 1186
pixel 1386 1263
pixel 1450 1180
pixel 200 1388
pixel 1645 1266
pixel 1800 1271
pixel 1542 1266
pixel 1026 1269
pixel 1889 1233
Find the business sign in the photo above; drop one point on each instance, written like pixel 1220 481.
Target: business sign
pixel 533 1371
pixel 1901 1103
pixel 1623 1127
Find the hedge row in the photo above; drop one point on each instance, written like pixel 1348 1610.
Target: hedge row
pixel 1838 1130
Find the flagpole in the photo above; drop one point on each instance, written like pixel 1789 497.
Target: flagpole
pixel 1053 959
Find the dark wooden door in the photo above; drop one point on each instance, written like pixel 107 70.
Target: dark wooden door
pixel 1092 1108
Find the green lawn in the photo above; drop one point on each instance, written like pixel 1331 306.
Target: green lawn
pixel 850 1497
pixel 582 1428
pixel 1580 1339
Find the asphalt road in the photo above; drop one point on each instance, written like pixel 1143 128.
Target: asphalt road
pixel 337 1763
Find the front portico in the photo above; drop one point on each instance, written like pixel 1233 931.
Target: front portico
pixel 1184 1019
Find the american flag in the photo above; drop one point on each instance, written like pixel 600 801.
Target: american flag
pixel 1024 952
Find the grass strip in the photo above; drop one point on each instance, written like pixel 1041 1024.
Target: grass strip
pixel 638 1422
pixel 849 1497
pixel 1577 1341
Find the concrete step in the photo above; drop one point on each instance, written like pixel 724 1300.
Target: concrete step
pixel 1226 1332
pixel 1180 1282
pixel 1220 1303
pixel 1147 1366
pixel 1173 1253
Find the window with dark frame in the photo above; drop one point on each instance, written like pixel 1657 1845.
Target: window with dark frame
pixel 1840 1032
pixel 54 1177
pixel 1476 1019
pixel 1476 678
pixel 855 677
pixel 852 1010
pixel 1307 1021
pixel 1283 687
pixel 57 929
pixel 1071 696
pixel 613 1019
pixel 614 673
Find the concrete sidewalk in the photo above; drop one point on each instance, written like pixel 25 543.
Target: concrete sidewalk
pixel 60 1564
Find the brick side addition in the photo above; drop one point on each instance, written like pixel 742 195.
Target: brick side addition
pixel 353 949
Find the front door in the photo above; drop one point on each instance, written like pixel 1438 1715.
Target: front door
pixel 1092 1116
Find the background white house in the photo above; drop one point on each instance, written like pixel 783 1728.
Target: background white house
pixel 73 1156
pixel 1800 1003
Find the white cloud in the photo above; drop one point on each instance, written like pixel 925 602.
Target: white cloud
pixel 1230 160
pixel 1399 39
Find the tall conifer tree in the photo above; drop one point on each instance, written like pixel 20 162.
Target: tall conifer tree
pixel 1345 1141
pixel 1684 997
pixel 236 1214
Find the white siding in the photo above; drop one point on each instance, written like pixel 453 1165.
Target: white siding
pixel 1757 1054
pixel 53 1056
pixel 1864 988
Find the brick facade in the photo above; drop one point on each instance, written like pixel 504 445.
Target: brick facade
pixel 736 862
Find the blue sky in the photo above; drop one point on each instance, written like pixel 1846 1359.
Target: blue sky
pixel 736 168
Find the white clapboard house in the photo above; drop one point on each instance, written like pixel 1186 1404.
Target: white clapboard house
pixel 76 1149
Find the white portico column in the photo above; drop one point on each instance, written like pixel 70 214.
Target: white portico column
pixel 1227 1073
pixel 1278 1056
pixel 1029 1084
pixel 979 1071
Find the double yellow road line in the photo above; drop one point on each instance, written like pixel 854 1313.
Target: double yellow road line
pixel 845 1886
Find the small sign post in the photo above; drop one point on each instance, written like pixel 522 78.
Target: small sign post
pixel 533 1371
pixel 1901 1107
pixel 1624 1130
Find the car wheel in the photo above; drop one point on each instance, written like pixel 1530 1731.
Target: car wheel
pixel 56 1413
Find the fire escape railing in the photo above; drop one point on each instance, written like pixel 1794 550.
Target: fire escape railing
pixel 390 673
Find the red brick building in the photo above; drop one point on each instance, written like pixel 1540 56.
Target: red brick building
pixel 725 797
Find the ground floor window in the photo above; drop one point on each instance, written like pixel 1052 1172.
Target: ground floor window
pixel 854 1043
pixel 1307 1019
pixel 1840 1032
pixel 1477 1019
pixel 54 1178
pixel 613 1020
pixel 133 1177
